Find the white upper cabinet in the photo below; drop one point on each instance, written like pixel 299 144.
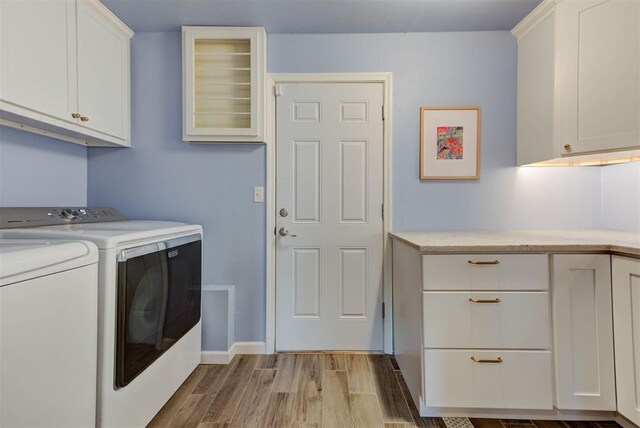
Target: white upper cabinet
pixel 37 42
pixel 103 73
pixel 579 82
pixel 65 71
pixel 601 75
pixel 223 84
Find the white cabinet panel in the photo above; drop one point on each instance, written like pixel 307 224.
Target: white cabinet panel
pixel 103 80
pixel 601 75
pixel 583 325
pixel 626 313
pixel 488 379
pixel 485 272
pixel 536 91
pixel 37 57
pixel 486 320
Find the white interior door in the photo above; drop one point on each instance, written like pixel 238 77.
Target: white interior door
pixel 330 183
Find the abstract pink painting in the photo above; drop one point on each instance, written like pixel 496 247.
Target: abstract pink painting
pixel 449 143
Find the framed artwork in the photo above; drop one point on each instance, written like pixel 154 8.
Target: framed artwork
pixel 450 143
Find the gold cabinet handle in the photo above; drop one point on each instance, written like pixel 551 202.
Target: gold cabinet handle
pixel 481 361
pixel 84 119
pixel 485 301
pixel 482 262
pixel 75 115
pixel 567 147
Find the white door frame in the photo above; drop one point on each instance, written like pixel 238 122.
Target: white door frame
pixel 274 79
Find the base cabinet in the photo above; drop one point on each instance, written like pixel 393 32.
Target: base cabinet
pixel 583 327
pixel 488 379
pixel 626 314
pixel 518 334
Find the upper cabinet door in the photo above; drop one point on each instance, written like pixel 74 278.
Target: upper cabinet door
pixel 37 58
pixel 103 72
pixel 224 74
pixel 600 75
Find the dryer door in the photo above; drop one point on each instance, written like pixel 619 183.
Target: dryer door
pixel 159 288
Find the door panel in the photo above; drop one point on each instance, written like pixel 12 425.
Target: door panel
pixel 101 81
pixel 37 42
pixel 626 313
pixel 601 101
pixel 329 180
pixel 583 326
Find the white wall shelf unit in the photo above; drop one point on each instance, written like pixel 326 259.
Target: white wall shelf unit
pixel 574 108
pixel 65 71
pixel 223 84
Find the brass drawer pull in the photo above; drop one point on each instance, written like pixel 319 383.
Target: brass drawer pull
pixel 485 300
pixel 75 115
pixel 481 263
pixel 84 119
pixel 496 361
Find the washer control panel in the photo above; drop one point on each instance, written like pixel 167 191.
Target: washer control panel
pixel 32 217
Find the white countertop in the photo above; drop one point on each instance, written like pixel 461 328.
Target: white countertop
pixel 523 241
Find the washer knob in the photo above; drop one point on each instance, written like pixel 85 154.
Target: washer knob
pixel 68 214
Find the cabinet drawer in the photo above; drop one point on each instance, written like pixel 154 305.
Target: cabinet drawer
pixel 485 272
pixel 486 320
pixel 522 380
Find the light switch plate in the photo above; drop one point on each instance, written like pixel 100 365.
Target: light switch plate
pixel 258 194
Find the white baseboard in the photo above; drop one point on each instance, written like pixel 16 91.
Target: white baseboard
pixel 225 357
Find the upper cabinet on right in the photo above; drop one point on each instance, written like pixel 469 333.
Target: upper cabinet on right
pixel 579 82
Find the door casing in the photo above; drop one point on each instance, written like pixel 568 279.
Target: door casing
pixel 273 80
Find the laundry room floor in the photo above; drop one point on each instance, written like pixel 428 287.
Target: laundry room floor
pixel 312 390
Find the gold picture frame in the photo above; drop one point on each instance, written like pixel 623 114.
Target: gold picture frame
pixel 450 143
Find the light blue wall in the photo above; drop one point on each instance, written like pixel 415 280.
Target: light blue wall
pixel 621 196
pixel 162 177
pixel 453 69
pixel 41 171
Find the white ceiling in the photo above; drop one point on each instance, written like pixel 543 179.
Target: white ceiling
pixel 325 16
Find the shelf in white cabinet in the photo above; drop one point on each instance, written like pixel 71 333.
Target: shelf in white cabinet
pixel 224 72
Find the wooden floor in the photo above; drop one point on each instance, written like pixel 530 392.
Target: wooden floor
pixel 311 390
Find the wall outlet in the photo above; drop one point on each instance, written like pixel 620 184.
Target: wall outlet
pixel 258 194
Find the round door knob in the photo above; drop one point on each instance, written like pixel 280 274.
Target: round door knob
pixel 75 115
pixel 84 119
pixel 283 231
pixel 567 147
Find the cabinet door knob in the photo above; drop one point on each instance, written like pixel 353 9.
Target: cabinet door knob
pixel 75 115
pixel 567 147
pixel 84 118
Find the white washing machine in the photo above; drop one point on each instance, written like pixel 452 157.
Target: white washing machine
pixel 149 284
pixel 48 333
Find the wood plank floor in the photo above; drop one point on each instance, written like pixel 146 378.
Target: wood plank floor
pixel 311 390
